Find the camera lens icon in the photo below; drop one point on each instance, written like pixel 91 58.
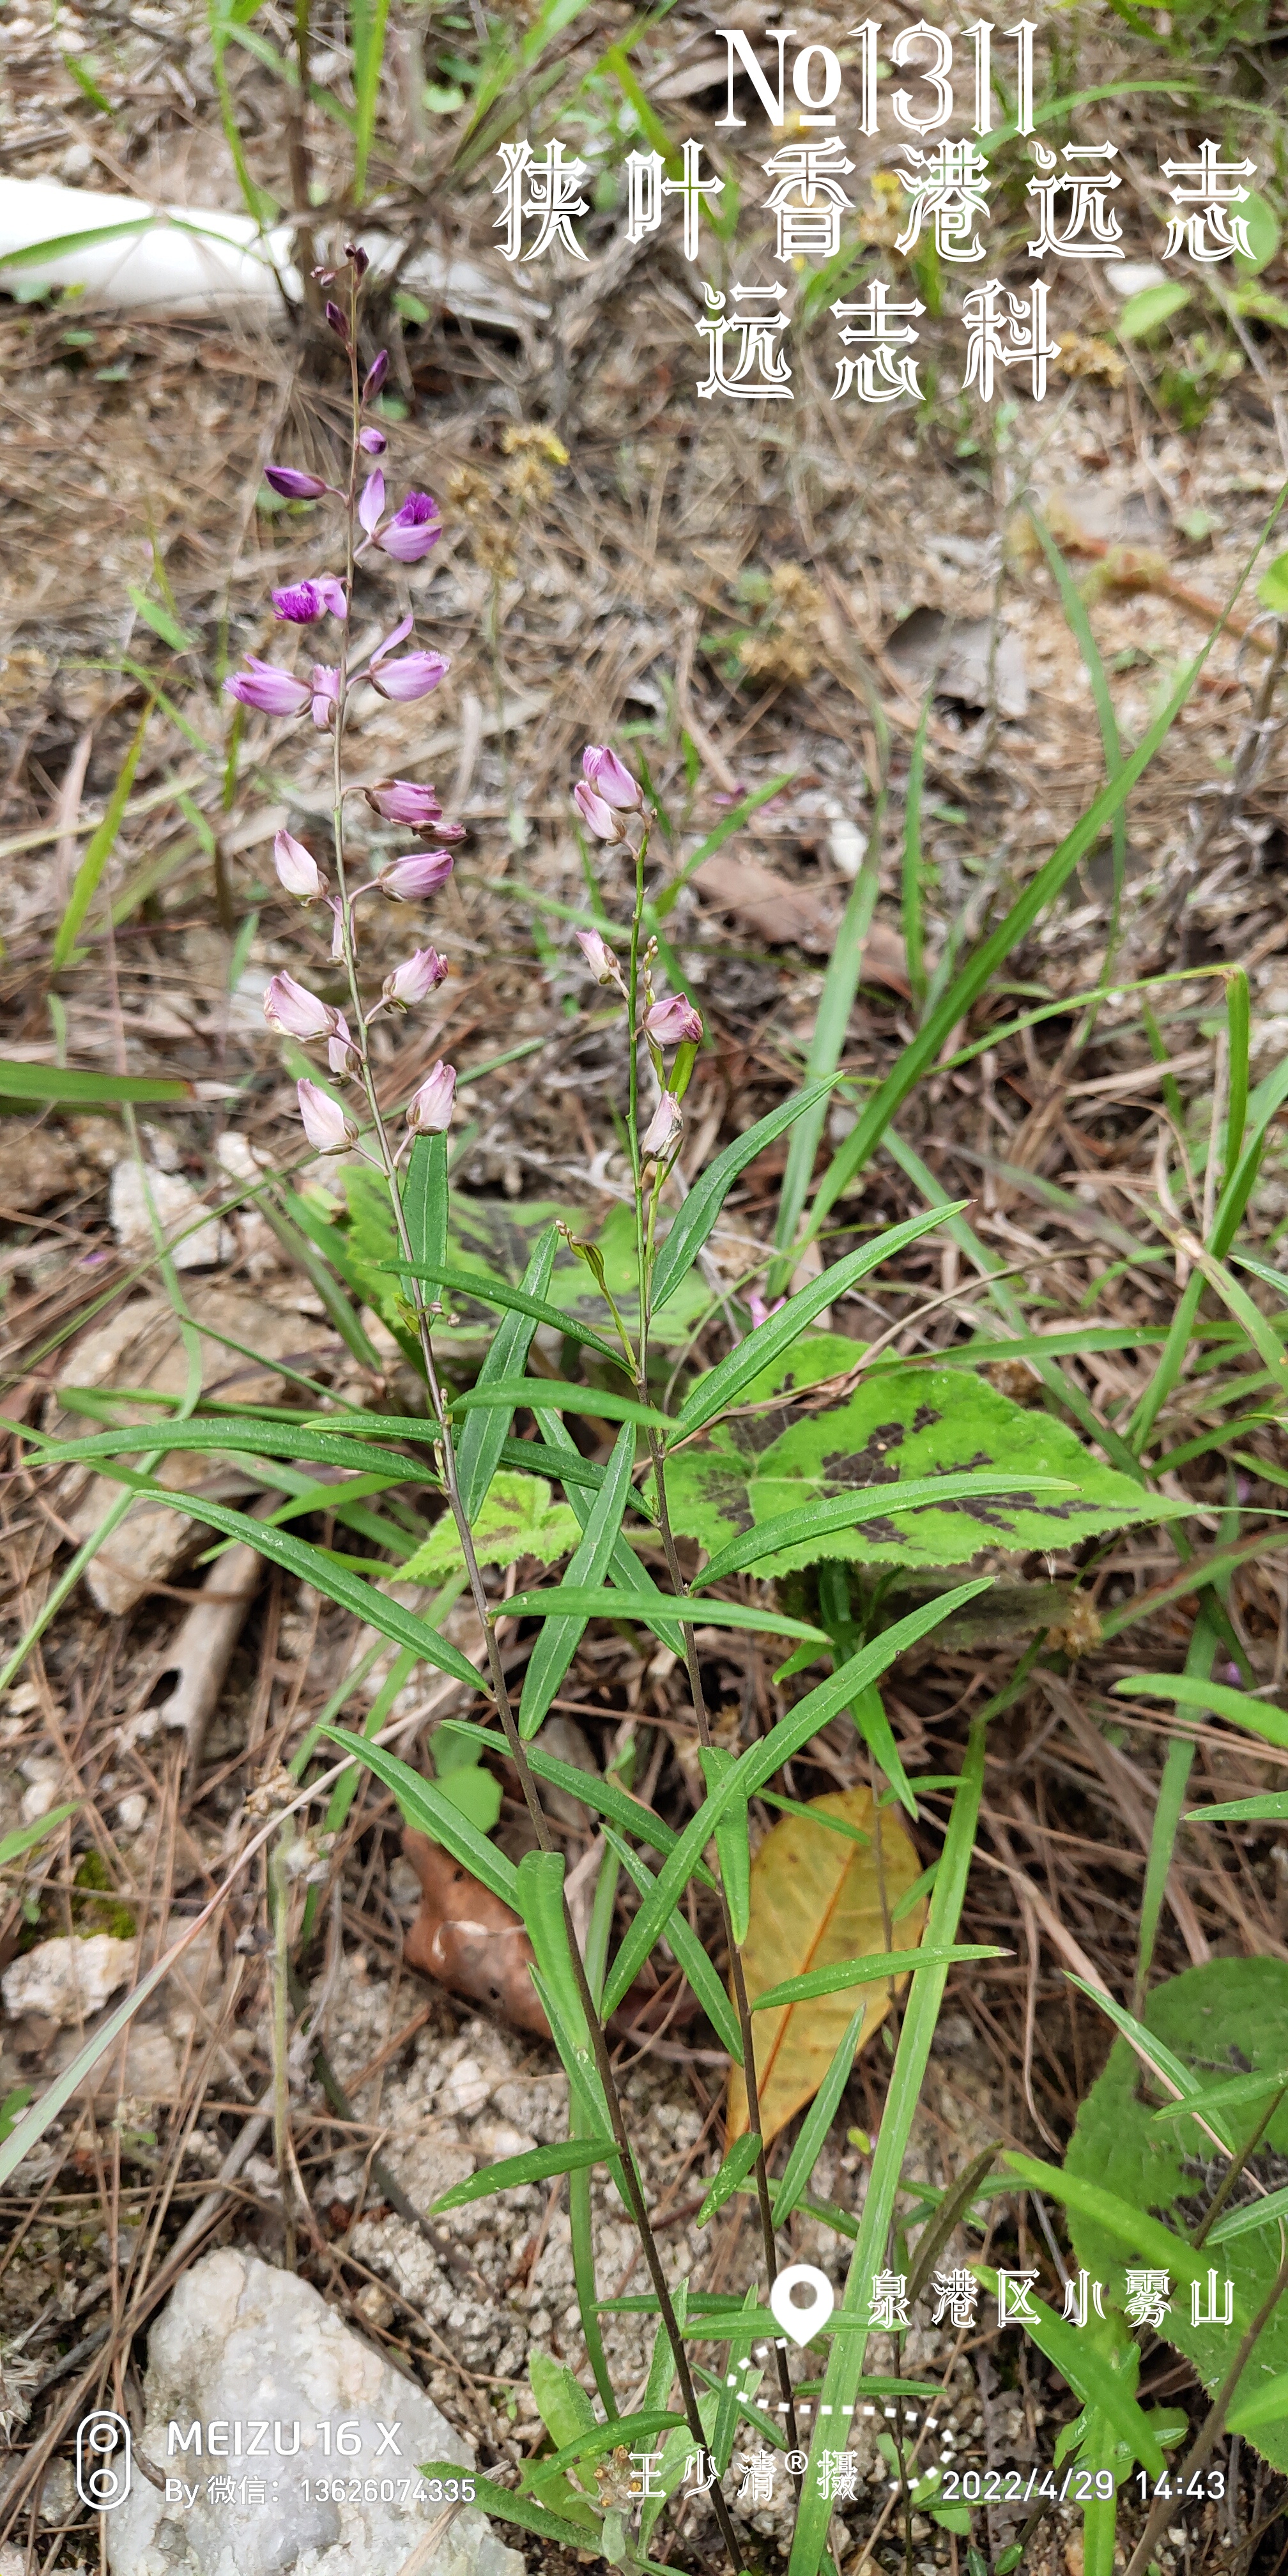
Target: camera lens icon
pixel 103 2461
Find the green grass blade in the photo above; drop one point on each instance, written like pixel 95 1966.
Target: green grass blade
pixel 794 2181
pixel 76 1089
pixel 555 1395
pixel 582 1601
pixel 723 1384
pixel 560 1637
pixel 911 889
pixel 540 2164
pixel 693 1225
pixel 367 21
pixel 827 1045
pixel 481 1442
pixel 877 1964
pixel 1177 1765
pixel 1187 1690
pixel 845 2365
pixel 98 851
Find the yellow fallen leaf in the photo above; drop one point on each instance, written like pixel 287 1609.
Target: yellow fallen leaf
pixel 816 1899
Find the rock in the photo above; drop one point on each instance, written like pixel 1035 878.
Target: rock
pixel 240 2344
pixel 953 655
pixel 67 1979
pixel 176 1204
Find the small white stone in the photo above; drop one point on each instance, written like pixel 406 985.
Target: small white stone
pixel 1132 276
pixel 176 1204
pixel 132 1812
pixel 466 2090
pixel 69 1980
pixel 38 1799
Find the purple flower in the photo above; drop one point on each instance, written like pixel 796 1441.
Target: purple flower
pixel 599 957
pixel 597 816
pixel 310 599
pixel 273 691
pixel 297 868
pixel 337 322
pixel 295 1012
pixel 412 530
pixel 413 675
pixel 663 1127
pixel 326 1125
pixel 294 486
pixel 673 1022
pixel 375 375
pixel 415 979
pixel 326 694
pixel 419 875
pixel 341 1053
pixel 610 779
pixel 373 442
pixel 400 800
pixel 429 1110
pixel 372 502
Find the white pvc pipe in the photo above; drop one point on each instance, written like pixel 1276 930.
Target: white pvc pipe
pixel 198 263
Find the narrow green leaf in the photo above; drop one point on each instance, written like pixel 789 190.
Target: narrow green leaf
pixel 1146 2236
pixel 697 1217
pixel 482 1440
pixel 759 1763
pixel 26 1837
pixel 629 2431
pixel 1186 1690
pixel 586 1601
pixel 790 2189
pixel 63 245
pixel 723 1384
pixel 840 984
pixel 1270 2212
pixel 735 2169
pixel 688 1949
pixel 1243 1811
pixel 498 1292
pixel 235 1435
pixel 540 2164
pixel 80 1090
pixel 733 1844
pixel 860 1972
pixel 1265 2405
pixel 98 851
pixel 160 620
pixel 554 1396
pixel 953 2208
pixel 560 1637
pixel 1214 2097
pixel 423 1805
pixel 424 1204
pixel 505 2504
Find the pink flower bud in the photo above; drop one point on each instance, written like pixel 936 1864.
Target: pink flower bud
pixel 412 675
pixel 429 1110
pixel 610 779
pixel 337 322
pixel 325 695
pixel 341 1053
pixel 673 1022
pixel 413 879
pixel 294 486
pixel 297 868
pixel 359 259
pixel 400 800
pixel 326 1125
pixel 375 375
pixel 663 1127
pixel 599 957
pixel 295 1012
pixel 415 979
pixel 373 442
pixel 263 685
pixel 597 816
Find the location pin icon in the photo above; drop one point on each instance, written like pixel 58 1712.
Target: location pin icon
pixel 802 2322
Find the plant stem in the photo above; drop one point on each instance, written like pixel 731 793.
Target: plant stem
pixel 517 1749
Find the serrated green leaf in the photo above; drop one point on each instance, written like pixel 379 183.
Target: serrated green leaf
pixel 900 1427
pixel 1229 2014
pixel 517 1518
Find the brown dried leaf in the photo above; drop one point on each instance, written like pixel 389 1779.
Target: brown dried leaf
pixel 816 1899
pixel 787 915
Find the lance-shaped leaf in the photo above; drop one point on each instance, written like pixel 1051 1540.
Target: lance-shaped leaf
pixel 759 1763
pixel 899 1431
pixel 790 2189
pixel 1187 1690
pixel 701 1209
pixel 732 1844
pixel 514 1301
pixel 539 1899
pixel 589 1601
pixel 422 1803
pixel 816 1901
pixel 424 1202
pixel 560 1636
pixel 625 1567
pixel 483 1438
pixel 728 1383
pixel 250 1435
pixel 540 2164
pixel 558 1395
pixel 688 1951
pixel 734 2171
